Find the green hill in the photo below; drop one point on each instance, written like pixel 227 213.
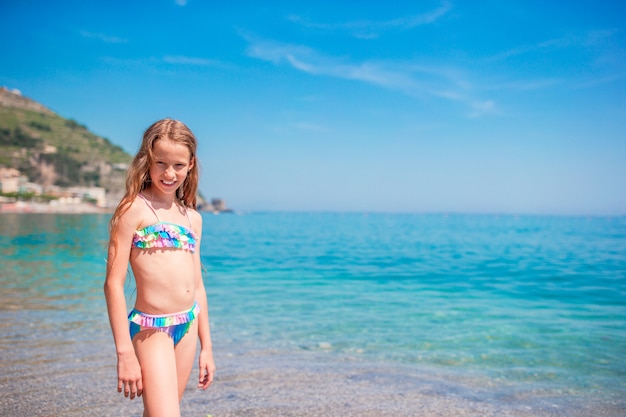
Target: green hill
pixel 53 151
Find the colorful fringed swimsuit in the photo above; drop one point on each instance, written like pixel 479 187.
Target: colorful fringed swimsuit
pixel 164 235
pixel 175 325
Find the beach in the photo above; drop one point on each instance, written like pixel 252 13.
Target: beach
pixel 31 207
pixel 339 315
pixel 269 385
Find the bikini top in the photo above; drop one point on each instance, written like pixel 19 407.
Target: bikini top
pixel 165 235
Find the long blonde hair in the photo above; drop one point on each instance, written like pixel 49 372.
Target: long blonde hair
pixel 138 174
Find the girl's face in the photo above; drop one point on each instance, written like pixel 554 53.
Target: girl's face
pixel 172 162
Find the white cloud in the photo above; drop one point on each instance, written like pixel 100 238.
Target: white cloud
pixel 307 60
pixel 410 79
pixel 371 29
pixel 180 2
pixel 527 85
pixel 482 108
pixel 188 60
pixel 102 37
pixel 591 39
pixel 594 58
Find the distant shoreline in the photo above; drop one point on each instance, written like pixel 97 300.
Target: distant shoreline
pixel 22 207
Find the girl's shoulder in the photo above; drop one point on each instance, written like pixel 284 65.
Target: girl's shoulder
pixel 139 203
pixel 137 211
pixel 193 213
pixel 195 218
pixel 127 218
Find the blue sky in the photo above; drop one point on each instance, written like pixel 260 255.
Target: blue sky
pixel 407 106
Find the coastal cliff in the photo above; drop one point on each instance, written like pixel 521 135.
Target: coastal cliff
pixel 42 153
pixel 50 163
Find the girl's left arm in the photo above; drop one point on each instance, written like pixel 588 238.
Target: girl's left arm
pixel 206 362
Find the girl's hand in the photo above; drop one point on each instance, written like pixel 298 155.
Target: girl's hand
pixel 129 375
pixel 207 369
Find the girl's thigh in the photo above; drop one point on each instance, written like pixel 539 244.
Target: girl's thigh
pixel 155 351
pixel 185 352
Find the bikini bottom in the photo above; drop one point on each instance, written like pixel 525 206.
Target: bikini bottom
pixel 175 325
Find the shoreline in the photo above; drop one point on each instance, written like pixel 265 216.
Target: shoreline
pixel 29 207
pixel 22 207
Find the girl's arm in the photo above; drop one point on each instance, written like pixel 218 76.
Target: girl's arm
pixel 206 363
pixel 128 369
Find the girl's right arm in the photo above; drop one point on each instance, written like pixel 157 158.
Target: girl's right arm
pixel 128 369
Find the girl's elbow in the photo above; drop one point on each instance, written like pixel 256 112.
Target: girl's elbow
pixel 110 286
pixel 106 288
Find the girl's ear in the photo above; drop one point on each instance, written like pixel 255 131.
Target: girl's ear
pixel 192 162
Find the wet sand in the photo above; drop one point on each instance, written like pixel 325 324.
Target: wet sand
pixel 267 384
pixel 320 387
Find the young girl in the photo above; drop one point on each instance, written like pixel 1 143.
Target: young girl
pixel 157 230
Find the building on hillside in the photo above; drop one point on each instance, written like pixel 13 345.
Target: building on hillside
pixel 32 188
pixel 11 181
pixel 75 195
pixel 96 194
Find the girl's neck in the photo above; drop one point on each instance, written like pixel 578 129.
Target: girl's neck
pixel 160 199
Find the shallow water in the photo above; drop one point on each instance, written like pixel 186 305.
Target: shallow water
pixel 340 314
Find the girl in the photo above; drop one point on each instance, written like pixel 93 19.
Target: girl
pixel 157 230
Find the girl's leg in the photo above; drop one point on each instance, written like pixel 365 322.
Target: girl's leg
pixel 155 352
pixel 185 352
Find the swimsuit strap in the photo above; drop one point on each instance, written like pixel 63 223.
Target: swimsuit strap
pixel 188 218
pixel 150 206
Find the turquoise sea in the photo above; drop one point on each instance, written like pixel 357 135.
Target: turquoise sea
pixel 456 314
